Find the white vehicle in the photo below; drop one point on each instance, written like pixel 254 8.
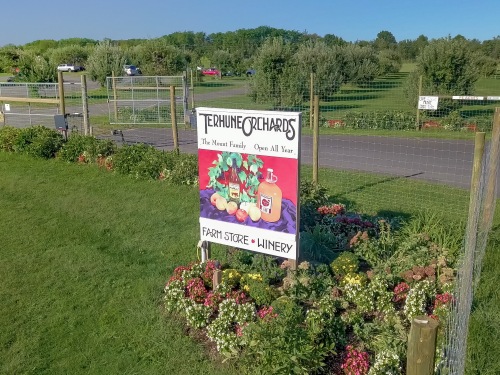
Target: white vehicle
pixel 69 68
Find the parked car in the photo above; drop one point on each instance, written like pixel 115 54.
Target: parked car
pixel 69 68
pixel 210 72
pixel 131 70
pixel 250 72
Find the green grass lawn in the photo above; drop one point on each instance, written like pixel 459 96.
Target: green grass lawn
pixel 85 255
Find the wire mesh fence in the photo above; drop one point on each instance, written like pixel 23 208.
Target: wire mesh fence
pixel 385 173
pixel 28 104
pixel 146 99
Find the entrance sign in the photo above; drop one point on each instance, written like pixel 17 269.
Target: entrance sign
pixel 248 164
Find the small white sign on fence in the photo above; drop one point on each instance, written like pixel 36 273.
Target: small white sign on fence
pixel 428 102
pixel 7 107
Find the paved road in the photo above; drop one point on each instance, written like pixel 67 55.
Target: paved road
pixel 441 161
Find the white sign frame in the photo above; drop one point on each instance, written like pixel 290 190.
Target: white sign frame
pixel 273 136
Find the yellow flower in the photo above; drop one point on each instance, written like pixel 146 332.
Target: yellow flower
pixel 353 279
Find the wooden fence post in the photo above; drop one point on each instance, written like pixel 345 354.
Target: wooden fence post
pixel 489 199
pixel 174 118
pixel 115 103
pixel 311 101
pixel 85 103
pixel 62 104
pixel 421 346
pixel 417 125
pixel 316 139
pixel 192 89
pixel 217 278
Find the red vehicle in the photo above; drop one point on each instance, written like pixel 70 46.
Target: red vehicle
pixel 210 72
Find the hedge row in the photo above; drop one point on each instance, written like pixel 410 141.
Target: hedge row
pixel 139 160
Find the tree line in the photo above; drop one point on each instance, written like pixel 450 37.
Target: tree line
pixel 283 59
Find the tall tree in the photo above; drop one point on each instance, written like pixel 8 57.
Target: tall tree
pixel 272 82
pixel 447 67
pixel 104 60
pixel 35 68
pixel 158 57
pixel 384 40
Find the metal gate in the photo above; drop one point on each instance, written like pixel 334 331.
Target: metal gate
pixel 28 104
pixel 146 99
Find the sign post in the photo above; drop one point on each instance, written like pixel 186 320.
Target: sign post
pixel 249 179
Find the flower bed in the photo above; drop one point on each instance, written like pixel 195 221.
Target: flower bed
pixel 349 315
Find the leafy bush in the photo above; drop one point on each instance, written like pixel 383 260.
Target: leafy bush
pixel 146 162
pixel 311 196
pixel 181 169
pixel 38 141
pixel 8 138
pixel 139 161
pixel 392 120
pixel 87 146
pixel 282 345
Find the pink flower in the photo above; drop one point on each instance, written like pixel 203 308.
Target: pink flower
pixel 239 329
pixel 400 291
pixel 213 300
pixel 195 289
pixel 266 313
pixel 356 362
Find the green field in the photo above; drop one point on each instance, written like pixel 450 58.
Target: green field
pixel 86 253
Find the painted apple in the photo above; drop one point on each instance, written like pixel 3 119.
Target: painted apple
pixel 213 198
pixel 221 203
pixel 247 205
pixel 241 215
pixel 231 208
pixel 254 213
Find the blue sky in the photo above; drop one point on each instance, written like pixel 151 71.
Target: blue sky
pixel 24 21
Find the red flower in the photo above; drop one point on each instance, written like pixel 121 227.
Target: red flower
pixel 401 291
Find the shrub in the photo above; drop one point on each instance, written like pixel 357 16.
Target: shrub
pixel 38 141
pixel 8 138
pixel 392 120
pixel 272 342
pixel 181 169
pixel 312 196
pixel 139 161
pixel 89 146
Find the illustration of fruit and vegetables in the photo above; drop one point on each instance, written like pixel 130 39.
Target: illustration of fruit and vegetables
pixel 242 189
